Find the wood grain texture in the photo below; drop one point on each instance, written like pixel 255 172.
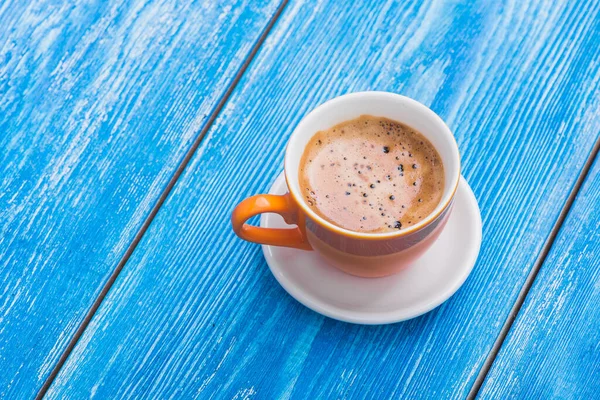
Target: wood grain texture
pixel 99 102
pixel 553 349
pixel 196 313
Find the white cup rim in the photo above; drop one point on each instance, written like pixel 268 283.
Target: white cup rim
pixel 447 197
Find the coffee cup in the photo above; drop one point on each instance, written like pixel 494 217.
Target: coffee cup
pixel 358 253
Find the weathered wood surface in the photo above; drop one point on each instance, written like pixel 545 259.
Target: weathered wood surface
pixel 99 102
pixel 553 348
pixel 196 313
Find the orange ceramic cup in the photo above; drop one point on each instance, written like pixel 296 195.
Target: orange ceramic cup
pixel 357 253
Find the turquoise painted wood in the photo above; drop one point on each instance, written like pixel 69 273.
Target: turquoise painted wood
pixel 99 101
pixel 553 349
pixel 196 313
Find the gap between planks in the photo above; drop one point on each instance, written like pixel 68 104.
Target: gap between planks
pixel 512 316
pixel 165 193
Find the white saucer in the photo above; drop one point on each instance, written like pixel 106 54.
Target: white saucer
pixel 433 278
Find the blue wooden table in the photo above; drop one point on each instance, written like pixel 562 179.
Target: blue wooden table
pixel 130 129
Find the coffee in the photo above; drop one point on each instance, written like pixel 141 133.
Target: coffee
pixel 372 175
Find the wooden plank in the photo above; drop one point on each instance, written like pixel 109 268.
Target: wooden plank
pixel 552 350
pixel 196 313
pixel 99 103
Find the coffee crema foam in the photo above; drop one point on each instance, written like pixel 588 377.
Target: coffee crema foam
pixel 372 175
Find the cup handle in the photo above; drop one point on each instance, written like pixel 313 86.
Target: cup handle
pixel 283 205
